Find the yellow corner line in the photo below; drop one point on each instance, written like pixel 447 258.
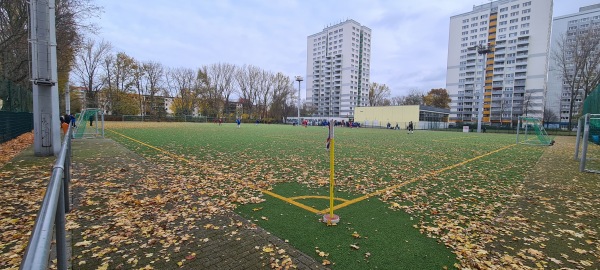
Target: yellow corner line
pixel 374 193
pixel 316 197
pixel 151 146
pixel 291 201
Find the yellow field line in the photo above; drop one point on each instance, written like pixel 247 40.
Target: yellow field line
pixel 272 194
pixel 424 176
pixel 316 197
pixel 452 139
pixel 291 201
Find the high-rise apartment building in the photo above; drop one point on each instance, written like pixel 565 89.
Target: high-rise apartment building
pixel 558 98
pixel 512 77
pixel 338 69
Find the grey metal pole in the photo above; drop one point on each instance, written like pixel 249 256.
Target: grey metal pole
pixel 586 134
pixel 67 99
pixel 61 242
pixel 578 139
pixel 299 79
pixel 518 127
pixel 44 77
pixel 67 178
pixel 480 109
pixel 102 113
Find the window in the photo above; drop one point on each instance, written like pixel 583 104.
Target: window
pixel 526 18
pixel 512 35
pixel 514 27
pixel 504 9
pixel 503 16
pixel 464 21
pixel 526 11
pixel 503 22
pixel 525 25
pixel 514 13
pixel 526 4
pixel 465 27
pixel 526 32
pixel 501 30
pixel 514 20
pixel 483 16
pixel 514 7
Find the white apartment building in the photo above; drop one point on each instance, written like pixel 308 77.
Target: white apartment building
pixel 338 69
pixel 558 98
pixel 512 77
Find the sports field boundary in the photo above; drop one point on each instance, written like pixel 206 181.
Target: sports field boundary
pixel 345 202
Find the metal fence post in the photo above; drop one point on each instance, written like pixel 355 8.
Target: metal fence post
pixel 578 139
pixel 586 134
pixel 61 242
pixel 67 176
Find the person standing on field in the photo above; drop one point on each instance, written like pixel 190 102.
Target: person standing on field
pixel 238 122
pixel 410 128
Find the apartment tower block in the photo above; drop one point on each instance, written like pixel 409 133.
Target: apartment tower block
pixel 511 79
pixel 338 69
pixel 559 96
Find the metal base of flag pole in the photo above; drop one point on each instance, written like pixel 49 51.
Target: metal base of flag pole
pixel 329 220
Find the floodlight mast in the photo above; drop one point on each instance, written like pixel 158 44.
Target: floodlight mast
pixel 299 79
pixel 482 50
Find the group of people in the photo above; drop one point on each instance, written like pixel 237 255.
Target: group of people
pixel 409 128
pixel 65 120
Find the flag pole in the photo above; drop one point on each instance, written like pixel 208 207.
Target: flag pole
pixel 330 218
pixel 331 173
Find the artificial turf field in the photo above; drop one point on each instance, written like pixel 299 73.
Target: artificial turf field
pixel 407 201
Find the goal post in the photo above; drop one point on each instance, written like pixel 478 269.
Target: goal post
pixel 90 124
pixel 530 130
pixel 588 143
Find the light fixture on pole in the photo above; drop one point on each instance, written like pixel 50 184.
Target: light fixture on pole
pixel 299 79
pixel 482 50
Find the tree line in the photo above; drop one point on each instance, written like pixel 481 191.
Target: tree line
pixel 123 85
pixel 380 95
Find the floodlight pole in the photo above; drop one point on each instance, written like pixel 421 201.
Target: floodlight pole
pixel 44 78
pixel 482 50
pixel 299 79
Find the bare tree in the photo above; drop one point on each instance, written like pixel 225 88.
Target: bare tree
pixel 248 81
pixel 283 90
pixel 414 97
pixel 378 93
pixel 88 63
pixel 154 77
pixel 182 81
pixel 577 55
pixel 397 100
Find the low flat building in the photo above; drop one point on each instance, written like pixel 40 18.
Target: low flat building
pixel 423 117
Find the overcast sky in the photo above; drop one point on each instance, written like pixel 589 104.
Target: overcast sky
pixel 409 38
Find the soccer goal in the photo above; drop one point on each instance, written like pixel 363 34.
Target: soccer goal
pixel 90 124
pixel 588 143
pixel 531 131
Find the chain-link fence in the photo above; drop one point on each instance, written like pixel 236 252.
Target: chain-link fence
pixel 13 124
pixel 16 105
pixel 15 98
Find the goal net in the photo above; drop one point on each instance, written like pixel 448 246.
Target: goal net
pixel 90 123
pixel 530 130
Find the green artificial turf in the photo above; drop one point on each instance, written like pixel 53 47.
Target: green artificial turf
pixel 387 239
pixel 293 161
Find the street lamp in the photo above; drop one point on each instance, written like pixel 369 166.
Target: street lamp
pixel 482 50
pixel 299 79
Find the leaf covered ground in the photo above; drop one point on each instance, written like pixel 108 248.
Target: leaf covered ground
pixel 492 203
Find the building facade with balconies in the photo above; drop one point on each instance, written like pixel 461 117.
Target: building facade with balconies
pixel 511 79
pixel 338 69
pixel 559 93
